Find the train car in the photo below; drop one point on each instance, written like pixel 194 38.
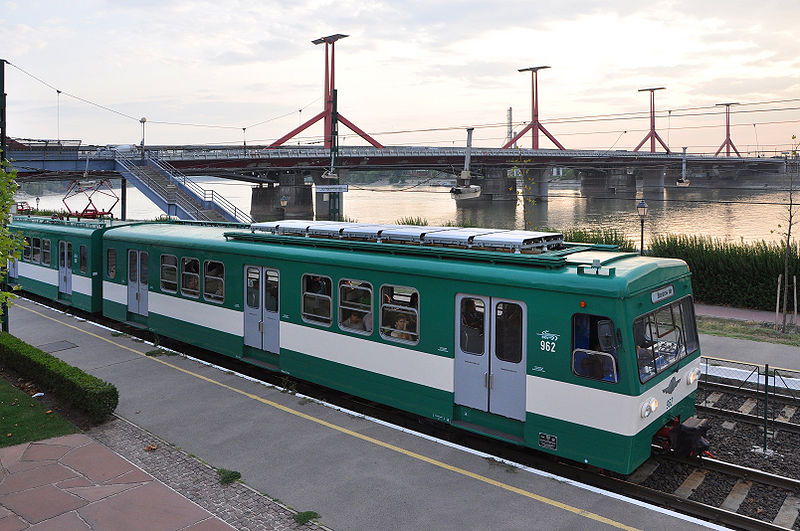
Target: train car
pixel 60 259
pixel 577 350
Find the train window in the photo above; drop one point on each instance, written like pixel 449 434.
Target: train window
pixel 111 263
pixel 83 258
pixel 664 336
pixel 253 288
pixel 190 277
pixel 46 252
pixel 169 273
pixel 271 291
pixel 473 319
pixel 400 314
pixel 26 248
pixel 317 299
pixel 355 305
pixel 36 250
pixel 594 348
pixel 214 281
pixel 508 332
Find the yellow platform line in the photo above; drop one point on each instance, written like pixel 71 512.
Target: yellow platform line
pixel 366 438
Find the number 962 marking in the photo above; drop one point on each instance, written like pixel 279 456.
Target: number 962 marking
pixel 547 346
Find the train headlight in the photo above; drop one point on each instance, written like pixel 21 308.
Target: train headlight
pixel 693 376
pixel 649 407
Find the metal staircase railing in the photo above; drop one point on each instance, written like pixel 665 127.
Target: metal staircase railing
pixel 206 196
pixel 169 195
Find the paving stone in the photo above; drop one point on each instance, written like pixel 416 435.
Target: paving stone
pixel 39 452
pixel 12 523
pixel 64 522
pixel 35 477
pixel 11 455
pixel 41 503
pixel 73 440
pixel 97 492
pixel 96 462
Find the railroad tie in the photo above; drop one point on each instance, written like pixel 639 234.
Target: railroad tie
pixel 737 495
pixel 788 512
pixel 641 474
pixel 748 406
pixel 691 483
pixel 787 413
pixel 711 399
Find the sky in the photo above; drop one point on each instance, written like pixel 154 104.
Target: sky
pixel 410 72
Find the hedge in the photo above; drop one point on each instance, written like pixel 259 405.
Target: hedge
pixel 743 275
pixel 96 398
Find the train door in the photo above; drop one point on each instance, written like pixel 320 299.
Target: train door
pixel 261 308
pixel 13 268
pixel 137 281
pixel 64 268
pixel 490 355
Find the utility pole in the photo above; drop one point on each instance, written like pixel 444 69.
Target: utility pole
pixel 3 160
pixel 334 208
pixel 652 136
pixel 728 143
pixel 534 126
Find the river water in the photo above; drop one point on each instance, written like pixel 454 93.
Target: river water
pixel 727 214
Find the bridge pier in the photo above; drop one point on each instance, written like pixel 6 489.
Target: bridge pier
pixel 535 184
pixel 265 201
pixel 653 179
pixel 605 183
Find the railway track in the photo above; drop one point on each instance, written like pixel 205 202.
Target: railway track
pixel 746 405
pixel 646 484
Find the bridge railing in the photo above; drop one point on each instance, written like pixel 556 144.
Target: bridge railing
pixel 206 196
pixel 169 196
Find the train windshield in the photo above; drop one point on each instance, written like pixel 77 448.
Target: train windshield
pixel 664 336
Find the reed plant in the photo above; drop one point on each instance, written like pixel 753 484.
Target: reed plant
pixel 606 236
pixel 743 275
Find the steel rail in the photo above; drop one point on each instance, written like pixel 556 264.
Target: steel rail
pixel 749 419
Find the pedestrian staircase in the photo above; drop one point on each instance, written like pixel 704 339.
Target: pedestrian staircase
pixel 176 194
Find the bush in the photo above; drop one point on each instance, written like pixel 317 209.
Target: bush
pixel 731 274
pixel 96 398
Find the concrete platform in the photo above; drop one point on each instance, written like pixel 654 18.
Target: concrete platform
pixel 357 474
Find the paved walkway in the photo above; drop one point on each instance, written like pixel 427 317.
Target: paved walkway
pixel 73 482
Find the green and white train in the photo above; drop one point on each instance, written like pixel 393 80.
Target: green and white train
pixel 573 349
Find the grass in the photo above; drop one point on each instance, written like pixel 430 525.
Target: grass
pixel 745 330
pixel 305 517
pixel 25 419
pixel 228 476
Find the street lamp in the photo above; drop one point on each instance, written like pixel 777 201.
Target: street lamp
pixel 142 121
pixel 642 209
pixel 284 202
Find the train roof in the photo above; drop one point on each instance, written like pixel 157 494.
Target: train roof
pixel 65 226
pixel 555 265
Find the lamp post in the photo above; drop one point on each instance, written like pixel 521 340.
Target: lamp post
pixel 642 209
pixel 142 120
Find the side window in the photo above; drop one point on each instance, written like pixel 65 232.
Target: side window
pixel 46 252
pixel 594 348
pixel 508 333
pixel 190 277
pixel 317 299
pixel 83 258
pixel 26 248
pixel 473 319
pixel 355 305
pixel 111 263
pixel 400 314
pixel 214 281
pixel 169 273
pixel 271 291
pixel 36 246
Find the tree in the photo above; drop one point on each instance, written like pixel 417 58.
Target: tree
pixel 788 233
pixel 9 244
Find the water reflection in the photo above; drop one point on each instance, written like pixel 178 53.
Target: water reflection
pixel 732 215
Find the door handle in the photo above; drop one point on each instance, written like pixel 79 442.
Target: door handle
pixel 137 295
pixel 486 379
pixel 261 326
pixel 491 381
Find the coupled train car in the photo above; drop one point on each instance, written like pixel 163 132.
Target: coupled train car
pixel 577 350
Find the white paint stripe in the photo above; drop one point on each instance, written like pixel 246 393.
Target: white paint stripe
pixel 410 365
pixel 601 409
pixel 115 292
pixel 38 273
pixel 206 315
pixel 448 444
pixel 82 285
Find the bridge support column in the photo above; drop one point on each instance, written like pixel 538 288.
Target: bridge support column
pixel 265 202
pixel 605 183
pixel 497 185
pixel 653 179
pixel 536 184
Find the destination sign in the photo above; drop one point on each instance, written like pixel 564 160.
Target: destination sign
pixel 662 293
pixel 330 188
